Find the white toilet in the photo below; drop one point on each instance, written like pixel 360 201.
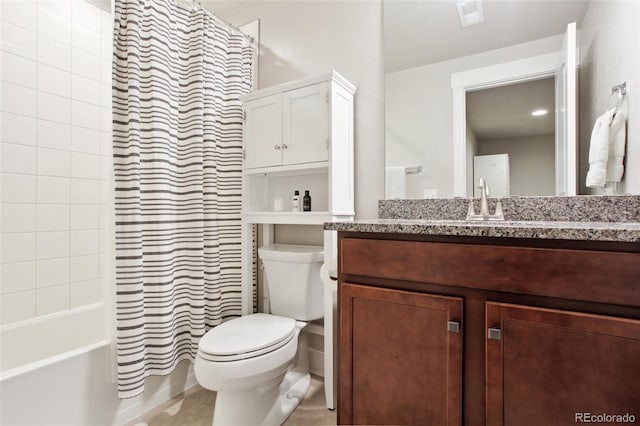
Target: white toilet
pixel 257 364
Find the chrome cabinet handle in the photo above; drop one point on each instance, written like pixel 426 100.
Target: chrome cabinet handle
pixel 277 147
pixel 284 146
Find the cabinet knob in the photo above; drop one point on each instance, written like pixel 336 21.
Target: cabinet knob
pixel 284 146
pixel 277 147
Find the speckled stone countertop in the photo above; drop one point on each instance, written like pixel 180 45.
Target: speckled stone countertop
pixel 584 218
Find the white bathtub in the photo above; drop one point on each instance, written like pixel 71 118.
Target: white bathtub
pixel 77 386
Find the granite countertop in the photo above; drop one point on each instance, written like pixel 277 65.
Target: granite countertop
pixel 587 231
pixel 582 218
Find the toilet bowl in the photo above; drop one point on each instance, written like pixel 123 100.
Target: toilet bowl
pixel 258 364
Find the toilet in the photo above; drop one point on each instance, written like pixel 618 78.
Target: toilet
pixel 258 363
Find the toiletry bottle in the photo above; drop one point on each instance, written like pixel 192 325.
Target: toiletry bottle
pixel 295 201
pixel 306 202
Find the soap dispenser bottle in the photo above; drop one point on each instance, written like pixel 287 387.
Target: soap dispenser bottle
pixel 306 201
pixel 295 201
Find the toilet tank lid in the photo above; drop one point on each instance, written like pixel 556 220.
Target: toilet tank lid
pixel 292 253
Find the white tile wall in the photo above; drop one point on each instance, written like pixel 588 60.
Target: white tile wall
pixel 17 306
pixel 54 108
pixel 84 293
pixel 52 272
pixel 55 135
pixel 52 299
pixel 18 40
pixel 54 190
pixel 54 80
pixel 21 13
pixel 18 188
pixel 17 99
pixel 54 53
pixel 85 140
pixel 17 129
pixel 18 276
pixel 18 70
pixel 53 162
pixel 18 158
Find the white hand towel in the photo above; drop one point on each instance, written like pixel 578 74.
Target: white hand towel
pixel 617 139
pixel 396 182
pixel 599 150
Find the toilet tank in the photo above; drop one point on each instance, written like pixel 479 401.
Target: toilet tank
pixel 293 280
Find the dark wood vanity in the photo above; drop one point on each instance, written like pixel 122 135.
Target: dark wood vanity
pixel 449 330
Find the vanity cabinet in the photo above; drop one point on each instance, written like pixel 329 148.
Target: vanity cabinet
pixel 401 349
pixel 548 329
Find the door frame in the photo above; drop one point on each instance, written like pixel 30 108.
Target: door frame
pixel 532 68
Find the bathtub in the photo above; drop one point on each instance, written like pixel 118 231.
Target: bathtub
pixel 56 377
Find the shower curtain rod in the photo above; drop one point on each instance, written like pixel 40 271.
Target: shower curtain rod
pixel 193 5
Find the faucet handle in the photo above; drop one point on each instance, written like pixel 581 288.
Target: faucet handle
pixel 498 213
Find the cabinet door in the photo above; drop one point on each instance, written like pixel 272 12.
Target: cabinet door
pixel 549 367
pixel 263 132
pixel 400 357
pixel 306 125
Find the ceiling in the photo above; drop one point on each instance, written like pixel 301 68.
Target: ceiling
pixel 420 32
pixel 505 112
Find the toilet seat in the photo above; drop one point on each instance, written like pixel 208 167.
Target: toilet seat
pixel 246 337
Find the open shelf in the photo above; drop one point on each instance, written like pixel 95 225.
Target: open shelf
pixel 291 169
pixel 291 218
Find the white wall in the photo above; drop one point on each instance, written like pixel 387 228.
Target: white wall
pixel 304 38
pixel 56 164
pixel 610 54
pixel 531 162
pixel 418 106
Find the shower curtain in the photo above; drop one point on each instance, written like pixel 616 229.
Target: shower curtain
pixel 177 135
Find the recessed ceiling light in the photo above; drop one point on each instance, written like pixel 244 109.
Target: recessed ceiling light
pixel 470 12
pixel 539 112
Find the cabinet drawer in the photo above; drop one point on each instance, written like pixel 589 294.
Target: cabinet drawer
pixel 597 276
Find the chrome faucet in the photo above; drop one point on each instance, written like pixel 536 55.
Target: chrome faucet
pixel 484 206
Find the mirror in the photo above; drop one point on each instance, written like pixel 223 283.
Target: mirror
pixel 425 45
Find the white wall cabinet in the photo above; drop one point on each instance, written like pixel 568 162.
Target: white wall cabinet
pixel 288 128
pixel 298 136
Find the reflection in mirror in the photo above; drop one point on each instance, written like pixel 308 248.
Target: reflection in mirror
pixel 516 120
pixel 425 45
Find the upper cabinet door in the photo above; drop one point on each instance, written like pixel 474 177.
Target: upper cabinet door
pixel 306 125
pixel 566 115
pixel 263 132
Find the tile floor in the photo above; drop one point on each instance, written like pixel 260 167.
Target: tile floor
pixel 195 408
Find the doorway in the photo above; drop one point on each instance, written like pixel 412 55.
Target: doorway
pixel 517 120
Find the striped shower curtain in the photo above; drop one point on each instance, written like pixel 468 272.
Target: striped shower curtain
pixel 177 135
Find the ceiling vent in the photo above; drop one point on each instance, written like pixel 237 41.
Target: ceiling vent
pixel 470 12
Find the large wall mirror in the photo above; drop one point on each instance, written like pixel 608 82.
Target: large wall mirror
pixel 464 102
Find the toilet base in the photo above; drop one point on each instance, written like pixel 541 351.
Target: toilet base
pixel 269 404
